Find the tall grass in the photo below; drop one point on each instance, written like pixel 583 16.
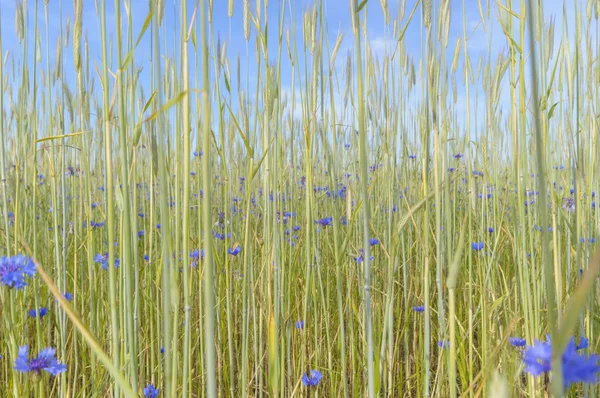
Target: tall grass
pixel 229 224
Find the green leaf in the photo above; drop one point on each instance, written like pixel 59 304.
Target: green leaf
pixel 166 106
pixel 149 102
pixel 154 149
pixel 227 83
pixel 553 73
pixel 137 132
pixel 119 196
pixel 361 5
pixel 129 55
pixel 261 159
pixel 401 36
pixel 240 132
pixel 58 137
pixel 551 111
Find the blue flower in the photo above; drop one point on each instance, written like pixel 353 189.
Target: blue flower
pixel 361 258
pixel 477 246
pixel 13 270
pixel 44 361
pixel 234 251
pixel 517 341
pixel 313 380
pixel 419 308
pixel 101 259
pixel 141 234
pixel 325 221
pixel 374 241
pixel 42 312
pixel 575 367
pixel 68 296
pixel 299 324
pixel 197 254
pixel 443 344
pixel 150 391
pixel 583 344
pixel 490 230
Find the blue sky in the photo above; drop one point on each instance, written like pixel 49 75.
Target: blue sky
pixel 336 13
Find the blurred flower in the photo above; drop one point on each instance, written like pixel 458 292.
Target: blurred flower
pixel 325 221
pixel 150 391
pixel 44 361
pixel 517 341
pixel 575 367
pixel 13 270
pixel 419 308
pixel 569 205
pixel 235 250
pixel 361 258
pixel 42 312
pixel 299 324
pixel 477 246
pixel 313 380
pixel 102 259
pixel 374 241
pixel 583 344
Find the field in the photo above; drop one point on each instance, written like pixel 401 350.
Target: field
pixel 289 199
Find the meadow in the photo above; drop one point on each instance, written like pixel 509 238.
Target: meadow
pixel 322 214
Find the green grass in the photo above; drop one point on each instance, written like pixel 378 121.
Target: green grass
pixel 367 138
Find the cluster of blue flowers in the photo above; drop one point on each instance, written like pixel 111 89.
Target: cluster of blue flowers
pixel 14 270
pixel 102 259
pixel 477 246
pixel 150 391
pixel 576 366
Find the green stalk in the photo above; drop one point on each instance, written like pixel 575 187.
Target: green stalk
pixel 552 309
pixel 209 293
pixel 186 381
pixel 110 208
pixel 127 262
pixel 362 138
